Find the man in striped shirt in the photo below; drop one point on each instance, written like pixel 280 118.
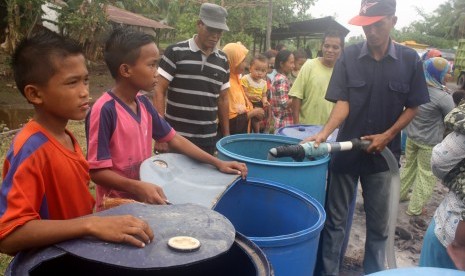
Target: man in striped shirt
pixel 193 82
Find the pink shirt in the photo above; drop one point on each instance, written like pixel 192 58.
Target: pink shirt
pixel 120 140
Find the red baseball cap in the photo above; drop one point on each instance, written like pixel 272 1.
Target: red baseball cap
pixel 372 11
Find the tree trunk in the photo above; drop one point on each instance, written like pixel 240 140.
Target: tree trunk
pixel 269 25
pixel 12 36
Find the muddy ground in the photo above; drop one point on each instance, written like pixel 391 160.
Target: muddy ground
pixel 408 239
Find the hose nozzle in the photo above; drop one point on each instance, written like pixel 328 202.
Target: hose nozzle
pixel 300 151
pixel 297 152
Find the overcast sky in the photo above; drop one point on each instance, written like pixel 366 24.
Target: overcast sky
pixel 344 10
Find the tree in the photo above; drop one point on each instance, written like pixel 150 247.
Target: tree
pixel 84 21
pixel 450 19
pixel 446 22
pixel 22 17
pixel 355 40
pixel 245 17
pixel 441 29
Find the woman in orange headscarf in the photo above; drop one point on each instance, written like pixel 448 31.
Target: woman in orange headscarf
pixel 240 108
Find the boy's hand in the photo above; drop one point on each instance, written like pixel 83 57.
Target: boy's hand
pixel 121 229
pixel 161 147
pixel 233 167
pixel 150 193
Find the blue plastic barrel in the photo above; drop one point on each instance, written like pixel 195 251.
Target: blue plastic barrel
pixel 419 271
pixel 252 149
pixel 303 131
pixel 283 221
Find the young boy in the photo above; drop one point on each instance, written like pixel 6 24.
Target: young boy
pixel 45 175
pixel 256 87
pixel 122 123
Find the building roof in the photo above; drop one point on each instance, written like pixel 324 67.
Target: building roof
pixel 121 16
pixel 308 28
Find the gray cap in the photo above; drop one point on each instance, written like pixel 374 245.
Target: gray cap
pixel 214 16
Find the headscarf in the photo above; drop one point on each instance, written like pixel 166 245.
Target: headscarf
pixel 436 69
pixel 431 53
pixel 238 101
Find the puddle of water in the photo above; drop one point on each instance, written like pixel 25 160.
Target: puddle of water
pixel 14 116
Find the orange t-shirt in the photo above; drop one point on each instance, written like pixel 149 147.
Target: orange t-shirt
pixel 42 180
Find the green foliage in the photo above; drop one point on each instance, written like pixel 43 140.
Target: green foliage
pixel 244 38
pixel 354 40
pixel 423 38
pixel 440 29
pixel 449 19
pixel 244 17
pixel 22 17
pixel 186 23
pixel 85 21
pixel 4 262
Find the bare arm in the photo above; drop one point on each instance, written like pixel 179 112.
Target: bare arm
pixel 379 141
pixel 223 111
pixel 38 233
pixel 182 145
pixel 296 103
pixel 159 98
pixel 143 191
pixel 456 249
pixel 257 112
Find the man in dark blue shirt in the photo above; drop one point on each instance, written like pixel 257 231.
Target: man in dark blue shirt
pixel 377 86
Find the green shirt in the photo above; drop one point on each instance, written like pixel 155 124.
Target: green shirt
pixel 310 86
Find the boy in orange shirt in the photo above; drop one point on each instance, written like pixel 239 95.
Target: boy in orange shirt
pixel 45 175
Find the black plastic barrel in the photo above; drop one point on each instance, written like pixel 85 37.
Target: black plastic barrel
pixel 222 252
pixel 243 258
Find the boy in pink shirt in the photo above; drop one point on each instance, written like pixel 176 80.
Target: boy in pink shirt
pixel 122 123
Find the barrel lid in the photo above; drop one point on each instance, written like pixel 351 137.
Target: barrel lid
pixel 214 232
pixel 185 180
pixel 303 131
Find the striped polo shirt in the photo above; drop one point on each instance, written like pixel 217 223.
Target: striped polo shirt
pixel 196 81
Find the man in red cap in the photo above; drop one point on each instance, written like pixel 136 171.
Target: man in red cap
pixel 377 86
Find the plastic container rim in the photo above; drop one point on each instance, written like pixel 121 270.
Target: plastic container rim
pixel 266 137
pixel 295 237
